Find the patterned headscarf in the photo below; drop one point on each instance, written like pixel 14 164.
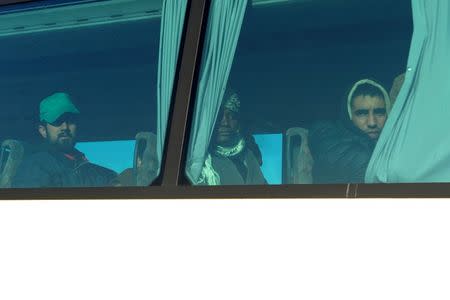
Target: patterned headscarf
pixel 233 103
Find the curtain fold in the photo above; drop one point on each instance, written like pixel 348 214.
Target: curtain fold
pixel 224 26
pixel 172 20
pixel 415 143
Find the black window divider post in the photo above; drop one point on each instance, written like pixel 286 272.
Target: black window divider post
pixel 172 165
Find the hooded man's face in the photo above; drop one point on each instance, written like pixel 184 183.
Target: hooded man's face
pixel 61 133
pixel 227 128
pixel 369 114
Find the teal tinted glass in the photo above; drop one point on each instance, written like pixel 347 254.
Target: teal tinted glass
pixel 77 79
pixel 317 75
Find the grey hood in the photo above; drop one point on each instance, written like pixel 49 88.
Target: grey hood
pixel 387 100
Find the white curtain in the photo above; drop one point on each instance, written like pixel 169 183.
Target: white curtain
pixel 415 143
pixel 224 27
pixel 172 20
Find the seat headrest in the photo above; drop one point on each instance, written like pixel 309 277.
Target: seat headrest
pixel 146 163
pixel 12 152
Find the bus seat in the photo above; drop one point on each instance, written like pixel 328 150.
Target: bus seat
pixel 12 152
pixel 299 161
pixel 146 163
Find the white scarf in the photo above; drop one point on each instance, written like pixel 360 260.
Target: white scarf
pixel 230 151
pixel 209 176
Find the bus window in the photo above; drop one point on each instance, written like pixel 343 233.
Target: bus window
pixel 317 73
pixel 79 80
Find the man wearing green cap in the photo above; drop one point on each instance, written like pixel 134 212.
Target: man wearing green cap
pixel 59 164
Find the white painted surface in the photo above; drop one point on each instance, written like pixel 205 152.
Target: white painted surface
pixel 218 249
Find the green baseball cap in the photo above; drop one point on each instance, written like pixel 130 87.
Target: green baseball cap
pixel 54 106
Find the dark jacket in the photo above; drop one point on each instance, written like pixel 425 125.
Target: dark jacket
pixel 341 152
pixel 51 168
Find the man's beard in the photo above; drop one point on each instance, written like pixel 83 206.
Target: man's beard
pixel 64 142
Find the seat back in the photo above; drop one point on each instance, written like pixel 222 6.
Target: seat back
pixel 11 155
pixel 299 161
pixel 145 158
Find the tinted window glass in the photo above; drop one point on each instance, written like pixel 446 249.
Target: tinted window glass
pixel 317 73
pixel 77 79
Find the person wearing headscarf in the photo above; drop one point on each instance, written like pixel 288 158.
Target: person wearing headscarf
pixel 234 157
pixel 342 149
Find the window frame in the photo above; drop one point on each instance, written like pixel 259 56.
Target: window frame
pixel 9 2
pixel 172 183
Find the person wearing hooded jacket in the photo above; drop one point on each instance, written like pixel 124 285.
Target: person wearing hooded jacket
pixel 342 149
